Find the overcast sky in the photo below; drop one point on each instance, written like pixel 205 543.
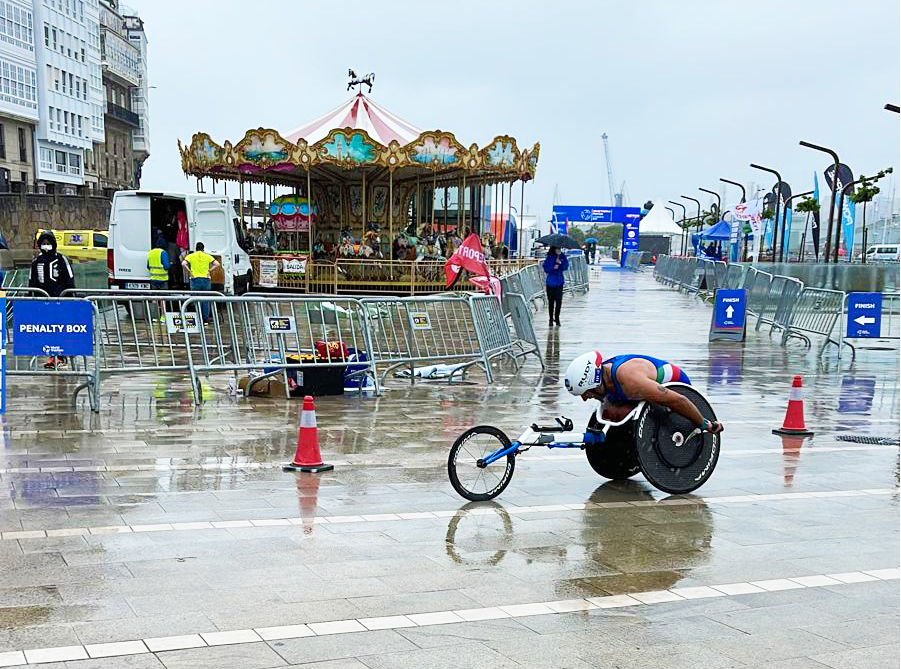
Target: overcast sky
pixel 687 91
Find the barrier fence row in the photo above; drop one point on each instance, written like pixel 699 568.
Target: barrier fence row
pixel 784 303
pixel 361 340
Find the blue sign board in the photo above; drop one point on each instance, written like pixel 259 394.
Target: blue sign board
pixel 591 214
pixel 53 327
pixel 729 310
pixel 729 315
pixel 864 315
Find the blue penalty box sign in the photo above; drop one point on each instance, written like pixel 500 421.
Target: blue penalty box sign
pixel 53 327
pixel 864 315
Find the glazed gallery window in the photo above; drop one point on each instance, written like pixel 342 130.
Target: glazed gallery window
pixel 16 26
pixel 61 161
pixel 46 159
pixel 18 85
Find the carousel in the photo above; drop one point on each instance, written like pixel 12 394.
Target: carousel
pixel 360 200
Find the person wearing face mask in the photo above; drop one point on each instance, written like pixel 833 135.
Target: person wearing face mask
pixel 51 272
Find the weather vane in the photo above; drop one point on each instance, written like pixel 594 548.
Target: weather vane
pixel 359 81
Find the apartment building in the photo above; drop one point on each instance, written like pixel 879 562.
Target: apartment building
pixel 18 94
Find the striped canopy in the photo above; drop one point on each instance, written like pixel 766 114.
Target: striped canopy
pixel 359 113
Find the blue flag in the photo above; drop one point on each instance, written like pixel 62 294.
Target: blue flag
pixel 848 216
pixel 815 224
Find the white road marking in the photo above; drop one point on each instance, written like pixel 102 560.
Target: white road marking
pixel 14 535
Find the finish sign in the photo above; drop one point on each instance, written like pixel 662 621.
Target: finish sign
pixel 729 315
pixel 279 325
pixel 864 315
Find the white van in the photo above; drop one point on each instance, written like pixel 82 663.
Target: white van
pixel 137 216
pixel 882 252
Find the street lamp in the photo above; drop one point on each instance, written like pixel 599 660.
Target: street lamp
pixel 719 202
pixel 835 161
pixel 776 210
pixel 679 204
pixel 672 211
pixel 785 216
pixel 697 202
pixel 735 183
pixel 891 107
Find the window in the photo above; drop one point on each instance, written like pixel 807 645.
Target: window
pixel 18 85
pixel 79 126
pixel 2 141
pixel 46 159
pixel 61 161
pixel 74 164
pixel 71 83
pixel 46 35
pixel 16 26
pixel 77 88
pixel 23 148
pixel 82 54
pixel 99 241
pixel 56 78
pixel 66 121
pixel 50 118
pixel 53 31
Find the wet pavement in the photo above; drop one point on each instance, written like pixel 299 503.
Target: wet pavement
pixel 160 534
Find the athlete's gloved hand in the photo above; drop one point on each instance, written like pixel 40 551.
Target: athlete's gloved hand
pixel 712 426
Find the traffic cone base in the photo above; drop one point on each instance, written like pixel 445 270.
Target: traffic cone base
pixel 307 457
pixel 315 469
pixel 793 425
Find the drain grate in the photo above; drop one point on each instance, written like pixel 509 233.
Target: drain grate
pixel 875 441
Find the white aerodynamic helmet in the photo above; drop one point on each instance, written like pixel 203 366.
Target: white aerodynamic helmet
pixel 584 373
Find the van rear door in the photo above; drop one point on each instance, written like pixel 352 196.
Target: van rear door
pixel 129 232
pixel 210 224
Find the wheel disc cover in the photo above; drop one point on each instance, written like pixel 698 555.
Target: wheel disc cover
pixel 669 460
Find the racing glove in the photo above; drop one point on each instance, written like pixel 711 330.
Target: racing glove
pixel 712 426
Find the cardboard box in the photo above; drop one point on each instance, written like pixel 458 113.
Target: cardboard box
pixel 271 387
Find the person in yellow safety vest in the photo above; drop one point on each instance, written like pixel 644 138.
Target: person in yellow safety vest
pixel 199 265
pixel 158 264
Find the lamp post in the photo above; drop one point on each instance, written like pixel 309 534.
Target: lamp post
pixel 776 210
pixel 835 162
pixel 785 216
pixel 735 183
pixel 719 202
pixel 697 202
pixel 672 211
pixel 679 204
pixel 892 108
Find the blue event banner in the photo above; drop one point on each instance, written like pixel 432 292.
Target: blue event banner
pixel 594 214
pixel 53 327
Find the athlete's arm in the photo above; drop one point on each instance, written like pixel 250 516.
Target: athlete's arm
pixel 636 383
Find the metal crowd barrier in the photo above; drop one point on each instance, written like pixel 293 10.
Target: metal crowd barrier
pixel 520 316
pixel 816 312
pixel 576 275
pixel 433 329
pixel 81 368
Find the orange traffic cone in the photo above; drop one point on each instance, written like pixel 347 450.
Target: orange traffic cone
pixel 794 415
pixel 307 458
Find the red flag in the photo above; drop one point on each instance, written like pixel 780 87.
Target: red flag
pixel 469 256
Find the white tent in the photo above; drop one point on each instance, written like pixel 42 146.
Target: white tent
pixel 658 221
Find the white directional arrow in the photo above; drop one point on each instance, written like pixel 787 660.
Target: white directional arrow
pixel 729 311
pixel 864 320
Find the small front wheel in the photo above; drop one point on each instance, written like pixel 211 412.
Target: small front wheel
pixel 468 479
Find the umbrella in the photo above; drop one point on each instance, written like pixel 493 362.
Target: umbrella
pixel 591 240
pixel 560 241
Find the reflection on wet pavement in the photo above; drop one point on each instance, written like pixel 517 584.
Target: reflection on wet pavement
pixel 157 518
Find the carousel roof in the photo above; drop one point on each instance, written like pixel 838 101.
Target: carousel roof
pixel 358 113
pixel 357 135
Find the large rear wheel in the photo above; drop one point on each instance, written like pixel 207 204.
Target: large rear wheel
pixel 474 482
pixel 673 457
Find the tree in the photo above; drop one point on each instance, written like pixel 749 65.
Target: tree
pixel 609 235
pixel 807 205
pixel 866 191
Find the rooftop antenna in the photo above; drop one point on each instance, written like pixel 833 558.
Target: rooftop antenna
pixel 360 81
